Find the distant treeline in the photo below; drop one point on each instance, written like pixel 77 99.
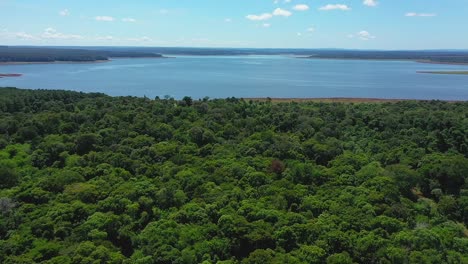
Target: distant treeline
pixel 436 56
pixel 429 56
pixel 38 54
pixel 48 54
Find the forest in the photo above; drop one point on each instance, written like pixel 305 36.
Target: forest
pixel 90 178
pixel 49 54
pixel 89 54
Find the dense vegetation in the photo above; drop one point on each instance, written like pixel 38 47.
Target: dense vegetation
pixel 88 178
pixel 41 54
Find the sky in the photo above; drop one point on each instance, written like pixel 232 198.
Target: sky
pixel 350 24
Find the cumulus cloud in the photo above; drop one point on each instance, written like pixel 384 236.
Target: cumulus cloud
pixel 129 20
pixel 301 7
pixel 266 16
pixel 281 12
pixel 335 7
pixel 370 2
pixel 412 14
pixel 364 35
pixel 64 12
pixel 104 18
pixel 22 35
pixel 260 17
pixel 51 33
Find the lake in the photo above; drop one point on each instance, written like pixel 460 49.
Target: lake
pixel 246 76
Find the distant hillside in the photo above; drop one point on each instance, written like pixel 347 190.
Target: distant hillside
pixel 41 54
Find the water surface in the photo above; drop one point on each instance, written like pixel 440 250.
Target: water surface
pixel 246 76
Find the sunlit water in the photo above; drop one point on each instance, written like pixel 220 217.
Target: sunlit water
pixel 246 76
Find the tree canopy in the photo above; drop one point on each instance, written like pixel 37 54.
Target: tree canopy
pixel 89 178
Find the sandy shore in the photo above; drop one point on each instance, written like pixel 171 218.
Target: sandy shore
pixel 336 100
pixel 53 62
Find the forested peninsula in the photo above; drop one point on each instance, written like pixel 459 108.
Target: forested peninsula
pixel 89 178
pixel 16 54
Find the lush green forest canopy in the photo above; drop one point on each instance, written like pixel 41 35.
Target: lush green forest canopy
pixel 43 54
pixel 88 178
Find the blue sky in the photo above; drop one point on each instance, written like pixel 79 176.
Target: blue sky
pixel 361 24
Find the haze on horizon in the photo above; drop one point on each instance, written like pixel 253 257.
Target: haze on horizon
pixel 350 24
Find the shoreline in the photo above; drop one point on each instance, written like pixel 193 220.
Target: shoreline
pixel 440 62
pixel 343 100
pixel 445 72
pixel 10 75
pixel 51 62
pixel 364 59
pixel 75 62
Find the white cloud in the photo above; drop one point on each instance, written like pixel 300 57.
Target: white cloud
pixel 266 25
pixel 364 35
pixel 105 38
pixel 281 12
pixel 412 14
pixel 104 18
pixel 142 39
pixel 51 33
pixel 264 16
pixel 311 29
pixel 301 7
pixel 64 12
pixel 129 20
pixel 22 35
pixel 7 35
pixel 370 2
pixel 335 7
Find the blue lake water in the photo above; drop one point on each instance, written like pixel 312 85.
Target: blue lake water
pixel 246 76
